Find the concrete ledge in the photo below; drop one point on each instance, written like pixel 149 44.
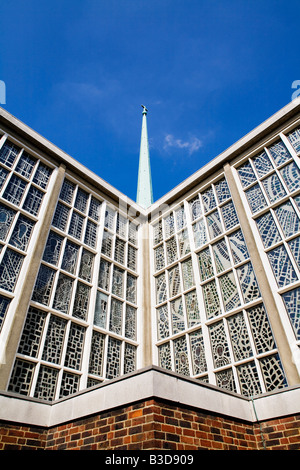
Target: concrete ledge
pixel 151 382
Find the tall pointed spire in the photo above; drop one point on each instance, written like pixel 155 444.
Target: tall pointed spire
pixel 144 195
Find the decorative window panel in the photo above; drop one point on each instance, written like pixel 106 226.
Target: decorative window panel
pixel 120 246
pixel 116 313
pixel 75 347
pixel 63 293
pixel 268 230
pixel 287 218
pixel 248 283
pixel 46 383
pixel 161 288
pixel 25 165
pixel 81 302
pixel 97 354
pixel 187 274
pixel 6 219
pixel 86 265
pixel 132 258
pixel 42 175
pixel 54 340
pixel 192 308
pixel 8 153
pixel 181 356
pixel 198 352
pixel 113 358
pixel 90 237
pixel 67 191
pixel 279 153
pixel 249 380
pixel 222 190
pixel 129 358
pixel 169 225
pixel 32 332
pixel 295 249
pixel 15 190
pixel 104 275
pixel 211 299
pixel 246 174
pixel 229 215
pixel 21 234
pixel 21 378
pixel 262 164
pixel 183 243
pixel 53 248
pixel 205 265
pixel 164 355
pixel 239 337
pixel 3 176
pixel 81 200
pixel 195 207
pixel 43 285
pixel 162 322
pixel 200 236
pixel 225 380
pixel 76 225
pixel 118 282
pixel 171 250
pixel 292 301
pixel 256 198
pixel 33 200
pixel 273 188
pixel 121 226
pixel 291 176
pixel 131 292
pixel 4 304
pixel 174 281
pixel 60 218
pixel 208 199
pixel 177 315
pixel 109 218
pixel 180 218
pixel 229 291
pixel 10 268
pixel 221 256
pixel 294 138
pixel 69 384
pixel 214 224
pixel 101 307
pixel 261 330
pixel 219 345
pixel 107 244
pixel 238 247
pixel 272 371
pixel 70 257
pixel 282 266
pixel 130 322
pixel 94 210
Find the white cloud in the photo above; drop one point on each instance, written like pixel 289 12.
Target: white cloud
pixel 191 145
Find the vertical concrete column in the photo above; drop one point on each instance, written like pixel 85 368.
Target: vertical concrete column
pixel 146 337
pixel 24 296
pixel 262 279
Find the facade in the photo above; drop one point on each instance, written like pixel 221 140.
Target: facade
pixel 201 287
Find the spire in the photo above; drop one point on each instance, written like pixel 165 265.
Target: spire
pixel 144 195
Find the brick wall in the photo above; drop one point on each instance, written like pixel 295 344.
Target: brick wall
pixel 153 424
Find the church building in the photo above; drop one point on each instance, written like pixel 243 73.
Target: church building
pixel 151 325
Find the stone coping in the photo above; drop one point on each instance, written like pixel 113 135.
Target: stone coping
pixel 144 384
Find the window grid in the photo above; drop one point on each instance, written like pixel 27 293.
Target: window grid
pixel 278 221
pixel 64 296
pixel 218 251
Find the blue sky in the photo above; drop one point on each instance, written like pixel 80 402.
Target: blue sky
pixel 208 71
